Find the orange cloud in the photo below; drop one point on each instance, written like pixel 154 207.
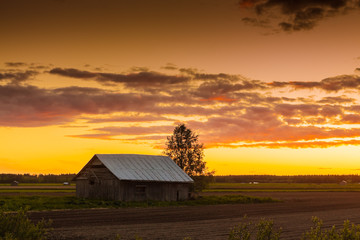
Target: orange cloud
pixel 295 145
pixel 246 3
pixel 224 109
pixel 219 98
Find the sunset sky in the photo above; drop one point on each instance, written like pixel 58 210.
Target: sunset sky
pixel 270 86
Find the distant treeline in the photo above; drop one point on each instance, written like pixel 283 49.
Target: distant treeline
pixel 60 178
pixel 41 178
pixel 287 179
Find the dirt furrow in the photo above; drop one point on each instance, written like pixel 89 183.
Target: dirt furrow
pixel 293 214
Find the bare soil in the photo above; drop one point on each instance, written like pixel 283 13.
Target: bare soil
pixel 293 214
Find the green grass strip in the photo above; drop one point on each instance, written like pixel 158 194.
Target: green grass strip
pixel 36 190
pixel 36 184
pixel 14 203
pixel 283 190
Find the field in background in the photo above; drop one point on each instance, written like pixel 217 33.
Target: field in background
pixel 58 196
pixel 273 187
pixel 36 189
pixel 60 189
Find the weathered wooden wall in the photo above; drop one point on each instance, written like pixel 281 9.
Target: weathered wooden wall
pixel 96 181
pixel 132 191
pixel 160 191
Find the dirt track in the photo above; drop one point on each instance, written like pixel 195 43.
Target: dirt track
pixel 205 222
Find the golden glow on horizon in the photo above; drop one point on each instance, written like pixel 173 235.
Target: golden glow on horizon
pixel 50 152
pixel 284 161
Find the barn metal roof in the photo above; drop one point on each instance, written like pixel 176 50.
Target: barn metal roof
pixel 137 167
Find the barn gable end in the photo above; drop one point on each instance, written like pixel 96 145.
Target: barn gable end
pixel 132 177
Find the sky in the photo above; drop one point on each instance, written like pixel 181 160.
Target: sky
pixel 270 86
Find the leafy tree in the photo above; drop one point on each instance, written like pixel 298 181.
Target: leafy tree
pixel 184 148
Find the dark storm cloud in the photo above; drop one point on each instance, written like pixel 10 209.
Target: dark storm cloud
pixel 332 84
pixel 29 106
pixel 354 108
pixel 15 64
pixel 296 15
pixel 11 66
pixel 32 106
pixel 209 89
pixel 304 20
pixel 296 84
pixel 340 83
pixel 39 67
pixel 16 77
pixel 136 79
pixel 336 100
pixel 197 75
pixel 351 119
pixel 290 110
pixel 170 66
pixel 330 111
pixel 72 72
pixel 212 86
pixel 256 22
pixel 134 118
pixel 142 78
pixel 308 113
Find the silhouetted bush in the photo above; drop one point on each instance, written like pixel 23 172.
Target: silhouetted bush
pixel 263 230
pixel 17 226
pixel 348 231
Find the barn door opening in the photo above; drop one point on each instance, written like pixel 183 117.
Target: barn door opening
pixel 177 195
pixel 140 192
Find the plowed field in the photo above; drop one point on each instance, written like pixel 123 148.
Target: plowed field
pixel 293 214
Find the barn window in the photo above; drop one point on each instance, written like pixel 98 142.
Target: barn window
pixel 140 190
pixel 93 180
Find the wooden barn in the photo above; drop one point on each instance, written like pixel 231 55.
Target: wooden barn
pixel 132 177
